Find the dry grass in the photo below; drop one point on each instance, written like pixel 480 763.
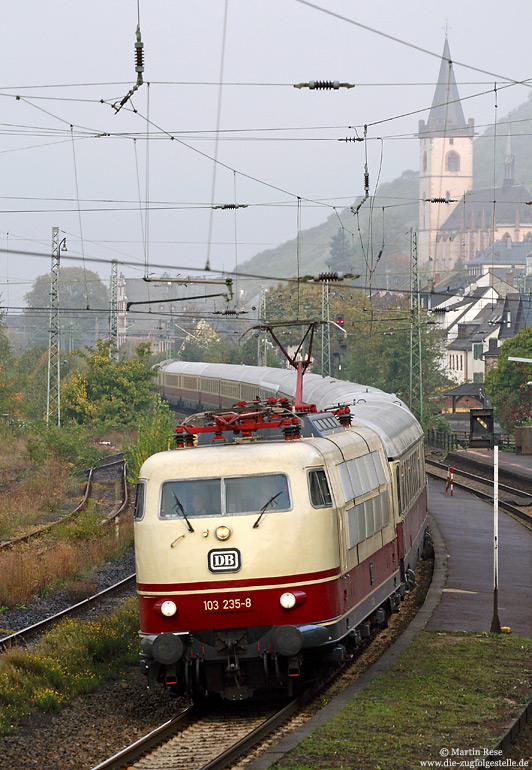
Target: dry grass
pixel 29 570
pixel 33 495
pixel 11 456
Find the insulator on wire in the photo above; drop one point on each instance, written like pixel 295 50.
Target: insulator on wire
pixel 139 58
pixel 440 200
pixel 231 206
pixel 366 182
pixel 324 85
pixel 330 277
pixel 352 139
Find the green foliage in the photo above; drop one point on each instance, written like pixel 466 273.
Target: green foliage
pixel 71 444
pixel 108 392
pixel 86 525
pixel 376 350
pixel 225 352
pixel 74 658
pixel 507 384
pixel 153 435
pixel 9 398
pixel 31 370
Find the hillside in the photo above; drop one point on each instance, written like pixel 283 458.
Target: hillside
pixel 400 199
pixel 315 242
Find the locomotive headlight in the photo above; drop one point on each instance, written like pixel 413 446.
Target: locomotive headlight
pixel 222 532
pixel 292 599
pixel 288 601
pixel 168 608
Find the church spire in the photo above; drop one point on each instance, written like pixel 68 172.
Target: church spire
pixel 509 161
pixel 446 110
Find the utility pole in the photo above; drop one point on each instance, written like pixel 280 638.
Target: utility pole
pixel 262 350
pixel 53 394
pixel 113 311
pixel 325 330
pixel 416 369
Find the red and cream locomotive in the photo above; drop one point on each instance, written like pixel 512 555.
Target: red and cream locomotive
pixel 266 554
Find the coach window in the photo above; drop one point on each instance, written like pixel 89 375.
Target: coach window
pixel 139 501
pixel 320 495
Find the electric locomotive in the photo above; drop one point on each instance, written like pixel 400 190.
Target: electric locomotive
pixel 273 540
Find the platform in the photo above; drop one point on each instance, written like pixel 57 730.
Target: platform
pixel 466 525
pixel 512 464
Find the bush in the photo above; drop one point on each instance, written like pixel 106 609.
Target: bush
pixel 154 433
pixel 69 443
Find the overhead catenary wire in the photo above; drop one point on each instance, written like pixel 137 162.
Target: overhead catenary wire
pixel 79 219
pixel 218 116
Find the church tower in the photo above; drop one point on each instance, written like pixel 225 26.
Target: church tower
pixel 446 161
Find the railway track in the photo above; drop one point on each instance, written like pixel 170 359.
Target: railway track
pixel 110 470
pixel 92 603
pixel 198 739
pixel 511 500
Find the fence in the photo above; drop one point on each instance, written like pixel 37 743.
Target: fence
pixel 460 440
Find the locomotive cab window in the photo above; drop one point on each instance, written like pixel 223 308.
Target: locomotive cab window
pixel 320 495
pixel 232 495
pixel 140 498
pixel 195 498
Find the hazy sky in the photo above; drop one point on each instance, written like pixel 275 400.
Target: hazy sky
pixel 68 160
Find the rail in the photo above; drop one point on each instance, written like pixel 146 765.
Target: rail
pixel 80 507
pixel 91 601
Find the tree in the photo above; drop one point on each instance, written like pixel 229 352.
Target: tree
pixel 108 392
pixel 154 433
pixel 31 371
pixel 507 385
pixel 341 254
pixel 83 304
pixel 9 399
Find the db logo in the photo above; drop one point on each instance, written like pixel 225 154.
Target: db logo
pixel 224 560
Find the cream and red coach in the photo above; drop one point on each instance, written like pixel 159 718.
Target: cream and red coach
pixel 301 543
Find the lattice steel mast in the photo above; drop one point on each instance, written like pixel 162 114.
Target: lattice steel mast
pixel 262 350
pixel 53 394
pixel 113 311
pixel 416 367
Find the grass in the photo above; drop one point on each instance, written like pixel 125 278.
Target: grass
pixel 75 658
pixel 64 559
pixel 32 496
pixel 447 690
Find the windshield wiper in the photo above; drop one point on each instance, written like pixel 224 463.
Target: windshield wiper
pixel 178 505
pixel 263 509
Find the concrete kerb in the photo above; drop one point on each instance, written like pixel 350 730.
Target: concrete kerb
pixel 423 616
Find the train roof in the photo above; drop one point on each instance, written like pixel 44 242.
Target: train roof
pixel 384 413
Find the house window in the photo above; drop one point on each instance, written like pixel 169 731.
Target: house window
pixel 478 377
pixel 478 349
pixel 451 140
pixel 453 161
pixel 424 161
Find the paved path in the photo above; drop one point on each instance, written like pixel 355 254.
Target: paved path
pixel 466 525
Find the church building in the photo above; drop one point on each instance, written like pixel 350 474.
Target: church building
pixel 457 222
pixel 446 161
